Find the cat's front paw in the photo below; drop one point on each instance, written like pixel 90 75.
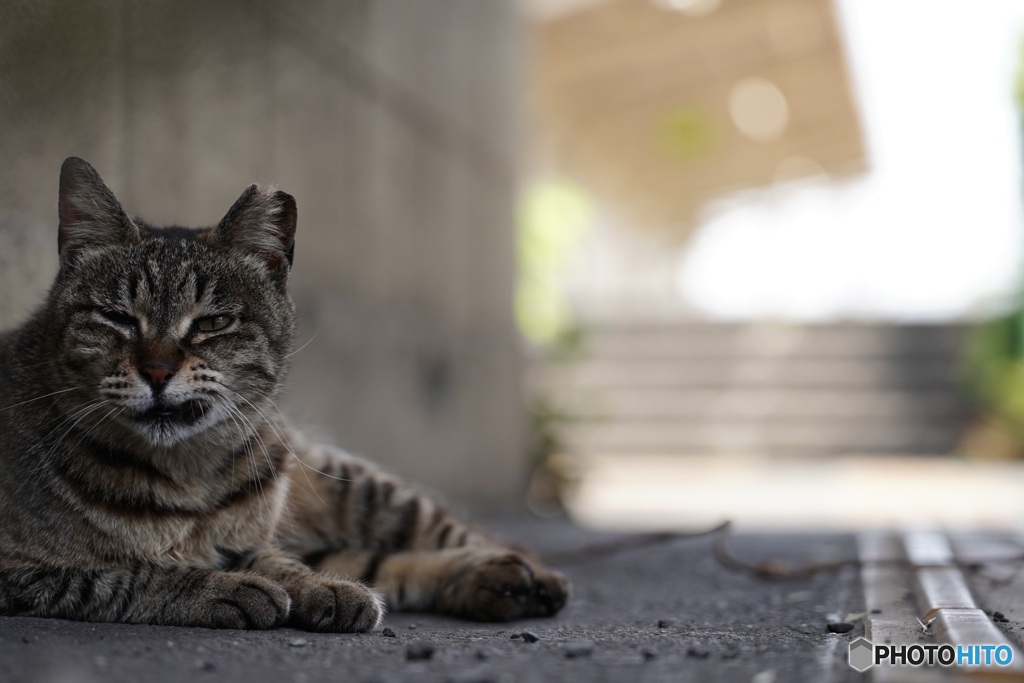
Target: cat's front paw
pixel 497 585
pixel 243 601
pixel 332 604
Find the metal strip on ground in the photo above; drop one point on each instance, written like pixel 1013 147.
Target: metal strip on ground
pixel 945 601
pixel 892 615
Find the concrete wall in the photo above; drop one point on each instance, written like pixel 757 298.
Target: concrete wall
pixel 393 122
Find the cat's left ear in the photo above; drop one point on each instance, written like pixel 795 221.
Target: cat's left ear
pixel 262 221
pixel 90 216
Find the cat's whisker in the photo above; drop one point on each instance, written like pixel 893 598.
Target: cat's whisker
pixel 247 439
pixel 88 431
pixel 43 364
pixel 81 412
pixel 63 419
pixel 117 415
pixel 85 412
pixel 59 418
pixel 250 461
pixel 304 345
pixel 320 472
pixel 243 434
pixel 266 397
pixel 260 441
pixel 283 439
pixel 252 430
pixel 266 454
pixel 39 398
pixel 263 415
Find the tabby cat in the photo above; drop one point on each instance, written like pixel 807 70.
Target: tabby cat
pixel 142 479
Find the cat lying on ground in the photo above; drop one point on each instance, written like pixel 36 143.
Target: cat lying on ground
pixel 142 479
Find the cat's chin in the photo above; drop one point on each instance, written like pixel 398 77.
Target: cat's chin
pixel 186 414
pixel 165 426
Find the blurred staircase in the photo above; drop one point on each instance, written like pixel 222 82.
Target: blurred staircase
pixel 670 388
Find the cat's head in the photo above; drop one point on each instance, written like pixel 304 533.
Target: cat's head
pixel 170 332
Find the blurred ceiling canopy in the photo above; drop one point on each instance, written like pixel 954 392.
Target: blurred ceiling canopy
pixel 657 106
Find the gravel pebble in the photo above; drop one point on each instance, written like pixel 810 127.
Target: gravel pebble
pixel 839 627
pixel 298 642
pixel 388 633
pixel 417 652
pixel 730 652
pixel 698 652
pixel 529 637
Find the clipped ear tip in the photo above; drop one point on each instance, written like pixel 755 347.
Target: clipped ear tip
pixel 287 201
pixel 261 221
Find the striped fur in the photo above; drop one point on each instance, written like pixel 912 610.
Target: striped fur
pixel 146 475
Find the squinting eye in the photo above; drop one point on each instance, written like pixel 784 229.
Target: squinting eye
pixel 214 323
pixel 119 318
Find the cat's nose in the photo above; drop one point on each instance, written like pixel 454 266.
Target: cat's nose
pixel 157 374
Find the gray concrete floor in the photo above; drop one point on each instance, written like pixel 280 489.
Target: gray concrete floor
pixel 664 613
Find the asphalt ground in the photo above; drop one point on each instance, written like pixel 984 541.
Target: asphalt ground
pixel 665 612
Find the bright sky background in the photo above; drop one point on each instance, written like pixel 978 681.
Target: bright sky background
pixel 934 229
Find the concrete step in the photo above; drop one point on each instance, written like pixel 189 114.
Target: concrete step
pixel 753 372
pixel 667 340
pixel 768 436
pixel 776 389
pixel 881 406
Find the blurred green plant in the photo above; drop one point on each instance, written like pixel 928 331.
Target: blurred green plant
pixel 689 134
pixel 995 360
pixel 554 472
pixel 554 217
pixel 995 363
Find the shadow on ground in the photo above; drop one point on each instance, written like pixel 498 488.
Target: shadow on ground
pixel 664 613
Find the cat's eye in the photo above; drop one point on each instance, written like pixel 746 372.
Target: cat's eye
pixel 119 318
pixel 214 323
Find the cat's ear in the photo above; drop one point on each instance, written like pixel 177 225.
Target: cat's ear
pixel 90 216
pixel 262 221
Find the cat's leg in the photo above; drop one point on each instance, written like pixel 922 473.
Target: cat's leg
pixel 321 601
pixel 145 594
pixel 347 516
pixel 480 582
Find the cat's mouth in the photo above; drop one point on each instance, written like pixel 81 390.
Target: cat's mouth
pixel 187 413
